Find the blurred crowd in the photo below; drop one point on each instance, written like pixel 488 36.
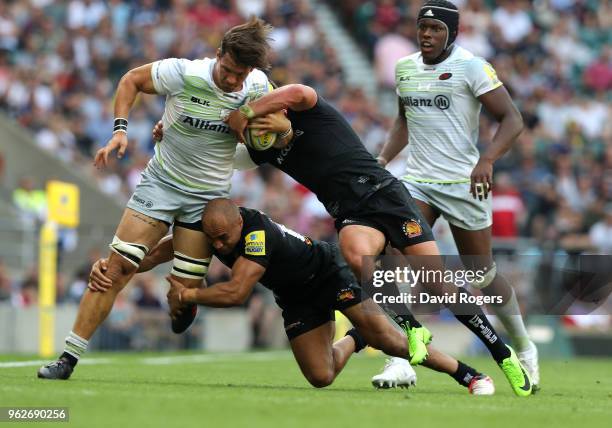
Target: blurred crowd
pixel 60 62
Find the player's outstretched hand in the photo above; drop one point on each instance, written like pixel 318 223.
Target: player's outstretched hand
pixel 98 281
pixel 237 122
pixel 174 297
pixel 118 142
pixel 274 122
pixel 158 132
pixel 481 180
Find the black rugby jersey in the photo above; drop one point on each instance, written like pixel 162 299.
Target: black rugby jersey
pixel 294 263
pixel 327 157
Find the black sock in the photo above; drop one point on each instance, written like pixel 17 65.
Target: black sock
pixel 360 342
pixel 399 312
pixel 465 374
pixel 407 320
pixel 71 360
pixel 477 322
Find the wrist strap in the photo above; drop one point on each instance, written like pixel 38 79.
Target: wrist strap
pixel 120 125
pixel 285 134
pixel 246 111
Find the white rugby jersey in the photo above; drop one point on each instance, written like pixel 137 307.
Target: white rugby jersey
pixel 198 148
pixel 442 113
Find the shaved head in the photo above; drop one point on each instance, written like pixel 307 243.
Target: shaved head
pixel 220 210
pixel 222 223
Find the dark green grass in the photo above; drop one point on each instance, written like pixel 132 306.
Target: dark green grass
pixel 257 390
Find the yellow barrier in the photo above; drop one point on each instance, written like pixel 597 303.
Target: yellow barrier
pixel 46 288
pixel 63 203
pixel 62 210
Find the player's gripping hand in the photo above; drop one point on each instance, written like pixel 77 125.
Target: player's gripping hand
pixel 481 180
pixel 118 142
pixel 382 161
pixel 98 281
pixel 274 122
pixel 174 297
pixel 158 132
pixel 237 122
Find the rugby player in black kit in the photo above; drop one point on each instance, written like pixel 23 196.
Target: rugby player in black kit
pixel 310 280
pixel 370 206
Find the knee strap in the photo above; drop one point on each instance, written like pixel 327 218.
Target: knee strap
pixel 133 253
pixel 187 267
pixel 487 278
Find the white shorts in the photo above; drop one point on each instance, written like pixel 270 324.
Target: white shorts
pixel 161 200
pixel 455 202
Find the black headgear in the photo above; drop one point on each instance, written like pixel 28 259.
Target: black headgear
pixel 445 12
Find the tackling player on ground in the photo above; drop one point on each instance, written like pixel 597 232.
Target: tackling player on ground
pixel 193 166
pixel 371 207
pixel 310 280
pixel 441 90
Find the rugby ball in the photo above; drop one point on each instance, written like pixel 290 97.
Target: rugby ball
pixel 259 142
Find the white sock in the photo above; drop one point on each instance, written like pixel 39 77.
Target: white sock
pixel 75 345
pixel 510 316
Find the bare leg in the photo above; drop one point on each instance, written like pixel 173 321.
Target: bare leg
pixel 430 214
pixel 440 361
pixel 95 306
pixel 319 360
pixel 475 247
pixel 358 241
pixel 379 333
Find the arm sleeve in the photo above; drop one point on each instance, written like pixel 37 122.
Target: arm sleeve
pixel 481 77
pixel 168 74
pixel 242 159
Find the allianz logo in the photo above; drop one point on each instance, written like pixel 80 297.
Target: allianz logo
pixel 206 125
pixel 440 101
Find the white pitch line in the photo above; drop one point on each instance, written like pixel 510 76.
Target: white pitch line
pixel 30 363
pixel 11 364
pixel 178 359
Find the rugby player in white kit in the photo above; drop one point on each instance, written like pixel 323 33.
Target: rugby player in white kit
pixel 193 166
pixel 441 91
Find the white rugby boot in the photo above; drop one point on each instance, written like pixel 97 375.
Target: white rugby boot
pixel 396 373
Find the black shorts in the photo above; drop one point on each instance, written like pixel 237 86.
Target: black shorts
pixel 338 291
pixel 197 226
pixel 392 211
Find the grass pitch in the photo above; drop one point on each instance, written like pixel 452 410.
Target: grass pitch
pixel 267 390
